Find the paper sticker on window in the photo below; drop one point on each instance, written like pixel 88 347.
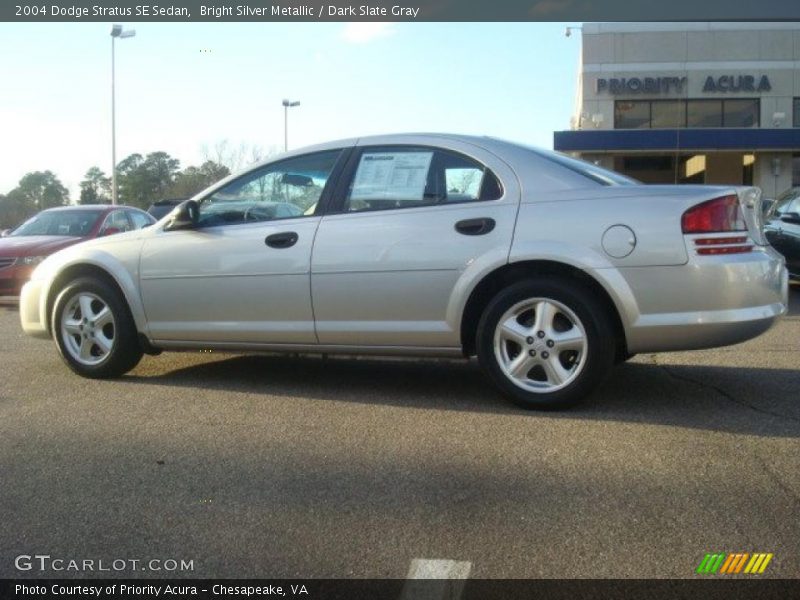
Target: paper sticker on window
pixel 392 175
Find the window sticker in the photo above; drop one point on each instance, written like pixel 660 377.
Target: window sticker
pixel 392 175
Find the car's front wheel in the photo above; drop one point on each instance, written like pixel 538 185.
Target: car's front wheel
pixel 94 330
pixel 546 342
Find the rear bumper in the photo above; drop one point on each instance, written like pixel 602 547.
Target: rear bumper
pixel 709 302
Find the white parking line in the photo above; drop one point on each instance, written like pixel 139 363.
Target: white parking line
pixel 449 576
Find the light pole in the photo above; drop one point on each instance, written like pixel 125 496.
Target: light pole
pixel 576 121
pixel 286 105
pixel 116 32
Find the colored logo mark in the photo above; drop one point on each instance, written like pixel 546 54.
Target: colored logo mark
pixel 731 564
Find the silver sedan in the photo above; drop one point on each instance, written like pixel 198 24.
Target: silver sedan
pixel 548 269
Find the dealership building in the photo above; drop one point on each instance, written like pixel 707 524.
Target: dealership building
pixel 690 102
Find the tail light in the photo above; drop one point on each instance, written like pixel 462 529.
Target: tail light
pixel 714 216
pixel 720 215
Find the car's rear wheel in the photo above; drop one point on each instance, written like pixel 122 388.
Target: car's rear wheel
pixel 546 342
pixel 94 330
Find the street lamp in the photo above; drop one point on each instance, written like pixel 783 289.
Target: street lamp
pixel 116 32
pixel 576 121
pixel 286 105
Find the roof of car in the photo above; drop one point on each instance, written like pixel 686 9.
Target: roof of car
pixel 107 207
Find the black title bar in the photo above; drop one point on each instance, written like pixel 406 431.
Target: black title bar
pixel 398 10
pixel 713 588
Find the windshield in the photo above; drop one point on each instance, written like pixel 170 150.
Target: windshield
pixel 76 223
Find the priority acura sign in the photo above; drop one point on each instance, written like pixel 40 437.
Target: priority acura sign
pixel 737 83
pixel 641 85
pixel 677 85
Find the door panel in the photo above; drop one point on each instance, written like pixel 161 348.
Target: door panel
pixel 384 277
pixel 224 284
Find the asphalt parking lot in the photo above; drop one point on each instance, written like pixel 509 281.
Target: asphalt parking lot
pixel 304 467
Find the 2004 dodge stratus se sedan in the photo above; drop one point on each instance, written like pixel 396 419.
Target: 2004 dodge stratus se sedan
pixel 547 268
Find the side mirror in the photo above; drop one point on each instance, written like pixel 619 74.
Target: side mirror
pixel 184 216
pixel 111 230
pixel 791 217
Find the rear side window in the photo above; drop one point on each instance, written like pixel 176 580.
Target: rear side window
pixel 408 177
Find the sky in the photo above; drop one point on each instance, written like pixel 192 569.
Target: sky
pixel 183 87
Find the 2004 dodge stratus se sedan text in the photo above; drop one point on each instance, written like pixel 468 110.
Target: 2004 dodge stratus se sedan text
pixel 547 268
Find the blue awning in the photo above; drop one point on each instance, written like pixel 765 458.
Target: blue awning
pixel 670 140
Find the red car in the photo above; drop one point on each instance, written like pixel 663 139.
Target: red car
pixel 56 228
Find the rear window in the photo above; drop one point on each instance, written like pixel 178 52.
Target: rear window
pixel 588 170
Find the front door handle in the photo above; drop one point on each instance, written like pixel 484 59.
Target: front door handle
pixel 475 226
pixel 281 240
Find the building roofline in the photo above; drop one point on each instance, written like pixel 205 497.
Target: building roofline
pixel 647 27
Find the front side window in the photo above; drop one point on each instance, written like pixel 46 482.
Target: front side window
pixel 116 222
pixel 388 178
pixel 788 202
pixel 140 219
pixel 283 190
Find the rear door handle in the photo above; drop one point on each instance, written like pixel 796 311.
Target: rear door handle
pixel 281 240
pixel 480 226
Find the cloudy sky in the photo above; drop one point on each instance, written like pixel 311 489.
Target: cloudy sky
pixel 181 87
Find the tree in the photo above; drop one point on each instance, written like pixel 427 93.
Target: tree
pixel 195 179
pixel 36 191
pixel 95 187
pixel 14 209
pixel 43 190
pixel 143 181
pixel 236 157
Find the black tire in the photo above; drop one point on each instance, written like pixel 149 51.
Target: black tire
pixel 587 367
pixel 124 351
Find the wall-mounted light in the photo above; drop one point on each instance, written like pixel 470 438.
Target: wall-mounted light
pixel 778 118
pixel 597 120
pixel 776 166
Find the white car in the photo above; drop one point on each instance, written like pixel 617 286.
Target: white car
pixel 547 268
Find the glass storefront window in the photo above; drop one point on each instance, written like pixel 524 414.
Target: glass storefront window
pixel 704 113
pixel 631 115
pixel 740 113
pixel 668 114
pixel 673 114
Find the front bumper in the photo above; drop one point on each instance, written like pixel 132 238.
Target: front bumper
pixel 12 278
pixel 711 301
pixel 32 308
